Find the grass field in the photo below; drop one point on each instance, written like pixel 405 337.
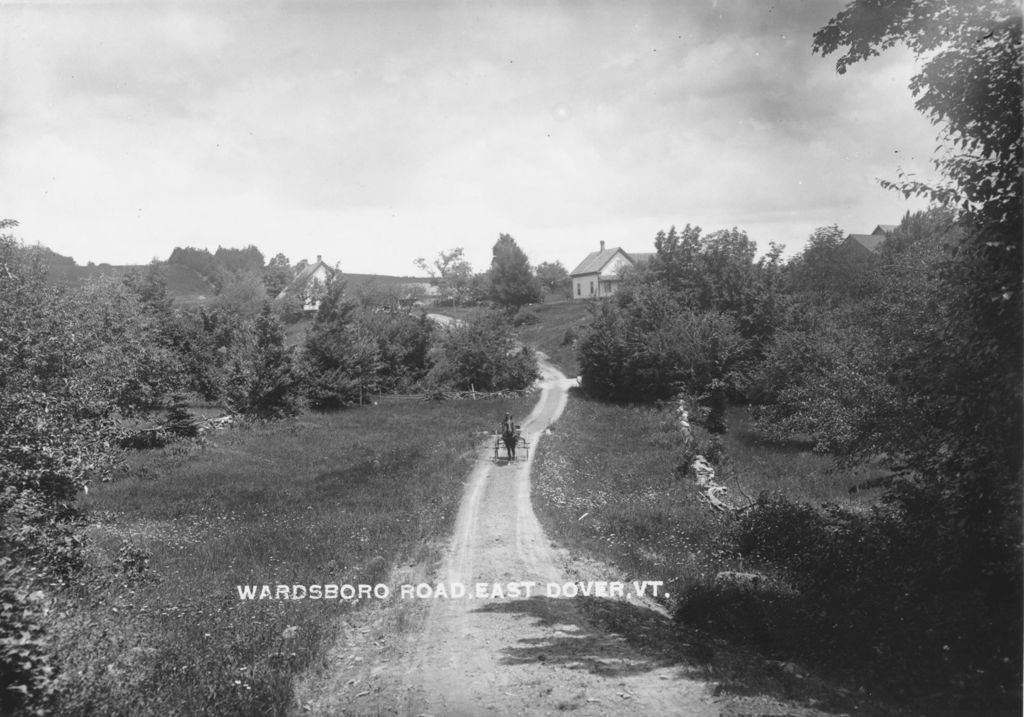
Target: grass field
pixel 606 483
pixel 549 335
pixel 157 626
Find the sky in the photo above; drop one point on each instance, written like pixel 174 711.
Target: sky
pixel 376 132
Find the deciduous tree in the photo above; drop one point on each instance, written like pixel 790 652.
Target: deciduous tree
pixel 452 274
pixel 553 277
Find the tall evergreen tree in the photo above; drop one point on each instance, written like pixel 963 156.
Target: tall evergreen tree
pixel 272 389
pixel 511 277
pixel 339 361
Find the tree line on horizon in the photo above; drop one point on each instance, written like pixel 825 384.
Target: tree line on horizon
pixel 510 281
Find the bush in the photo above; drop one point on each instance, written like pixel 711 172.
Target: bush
pixel 263 381
pixel 651 349
pixel 403 343
pixel 340 360
pixel 765 617
pixel 888 590
pixel 480 353
pixel 27 677
pixel 526 317
pixel 55 436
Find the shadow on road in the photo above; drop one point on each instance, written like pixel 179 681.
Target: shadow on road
pixel 607 637
pixel 616 639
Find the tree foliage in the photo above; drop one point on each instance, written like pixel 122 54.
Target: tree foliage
pixel 717 272
pixel 263 381
pixel 480 353
pixel 968 361
pixel 969 85
pixel 452 273
pixel 277 274
pixel 830 272
pixel 56 435
pixel 339 360
pixel 650 345
pixel 919 361
pixel 553 277
pixel 222 266
pixel 512 283
pixel 403 344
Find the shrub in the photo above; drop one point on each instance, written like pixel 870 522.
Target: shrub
pixel 263 381
pixel 27 675
pixel 55 436
pixel 651 349
pixel 403 343
pixel 133 561
pixel 767 617
pixel 888 590
pixel 340 360
pixel 526 317
pixel 480 353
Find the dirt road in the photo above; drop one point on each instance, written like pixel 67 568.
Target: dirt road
pixel 536 655
pixel 508 655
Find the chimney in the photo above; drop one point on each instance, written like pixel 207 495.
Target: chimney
pixel 319 258
pixel 602 245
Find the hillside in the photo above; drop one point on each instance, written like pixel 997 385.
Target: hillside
pixel 184 284
pixel 550 334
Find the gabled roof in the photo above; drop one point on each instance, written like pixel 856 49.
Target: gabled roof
pixel 884 229
pixel 871 242
pixel 595 261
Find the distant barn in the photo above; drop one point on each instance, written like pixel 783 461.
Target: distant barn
pixel 864 245
pixel 310 284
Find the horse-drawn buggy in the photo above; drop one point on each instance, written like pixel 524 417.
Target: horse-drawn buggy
pixel 511 445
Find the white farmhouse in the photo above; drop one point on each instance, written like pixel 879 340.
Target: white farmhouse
pixel 310 284
pixel 600 273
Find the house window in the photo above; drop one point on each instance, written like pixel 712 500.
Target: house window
pixel 579 288
pixel 591 288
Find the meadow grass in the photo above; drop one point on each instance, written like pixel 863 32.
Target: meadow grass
pixel 606 482
pixel 156 625
pixel 549 335
pixel 753 464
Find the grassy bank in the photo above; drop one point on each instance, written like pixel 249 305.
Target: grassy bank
pixel 156 625
pixel 549 335
pixel 606 482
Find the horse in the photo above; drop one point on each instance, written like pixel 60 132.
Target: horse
pixel 510 436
